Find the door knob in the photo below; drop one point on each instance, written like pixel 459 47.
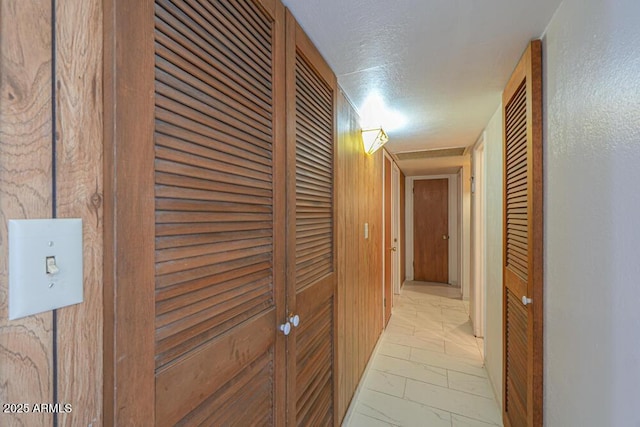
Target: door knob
pixel 295 320
pixel 285 328
pixel 393 249
pixel 526 301
pixel 445 237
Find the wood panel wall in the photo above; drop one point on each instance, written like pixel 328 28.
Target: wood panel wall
pixel 359 292
pixel 26 352
pixel 32 110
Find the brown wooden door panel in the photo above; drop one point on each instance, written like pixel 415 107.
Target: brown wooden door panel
pixel 523 365
pixel 202 187
pixel 218 297
pixel 431 230
pixel 311 277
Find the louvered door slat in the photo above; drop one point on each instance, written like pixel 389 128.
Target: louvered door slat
pixel 180 36
pixel 516 181
pixel 256 37
pixel 171 55
pixel 308 102
pixel 233 60
pixel 234 37
pixel 516 363
pixel 183 282
pixel 181 128
pixel 183 152
pixel 167 63
pixel 205 184
pixel 310 127
pixel 248 14
pixel 181 104
pixel 183 83
pixel 253 186
pixel 309 79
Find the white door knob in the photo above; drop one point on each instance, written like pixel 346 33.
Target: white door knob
pixel 295 320
pixel 526 301
pixel 285 328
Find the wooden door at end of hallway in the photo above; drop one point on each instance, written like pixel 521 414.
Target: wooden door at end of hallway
pixel 431 230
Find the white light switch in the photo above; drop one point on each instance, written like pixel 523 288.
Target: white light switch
pixel 45 265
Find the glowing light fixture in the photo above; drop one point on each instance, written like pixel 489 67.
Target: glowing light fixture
pixel 373 139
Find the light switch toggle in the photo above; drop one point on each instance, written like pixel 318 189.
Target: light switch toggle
pixel 52 268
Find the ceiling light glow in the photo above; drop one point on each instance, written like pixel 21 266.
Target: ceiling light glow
pixel 374 113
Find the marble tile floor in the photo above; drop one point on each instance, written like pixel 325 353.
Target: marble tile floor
pixel 427 369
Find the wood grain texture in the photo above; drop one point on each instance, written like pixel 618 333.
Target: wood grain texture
pixel 128 213
pixel 79 195
pixel 25 193
pixel 359 265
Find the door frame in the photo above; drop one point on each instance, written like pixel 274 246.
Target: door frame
pixel 395 229
pixel 455 232
pixel 478 223
pixel 385 247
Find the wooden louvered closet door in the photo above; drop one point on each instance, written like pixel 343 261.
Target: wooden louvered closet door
pixel 198 217
pixel 523 286
pixel 311 277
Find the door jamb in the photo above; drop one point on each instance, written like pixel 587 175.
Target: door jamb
pixel 478 271
pixel 395 229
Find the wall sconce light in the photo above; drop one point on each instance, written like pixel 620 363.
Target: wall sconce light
pixel 373 139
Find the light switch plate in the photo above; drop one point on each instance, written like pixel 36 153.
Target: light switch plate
pixel 31 242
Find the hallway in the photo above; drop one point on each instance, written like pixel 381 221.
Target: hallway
pixel 427 369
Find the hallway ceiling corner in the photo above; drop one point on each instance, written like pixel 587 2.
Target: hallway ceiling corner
pixel 439 66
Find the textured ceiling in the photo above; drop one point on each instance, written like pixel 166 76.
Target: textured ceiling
pixel 441 64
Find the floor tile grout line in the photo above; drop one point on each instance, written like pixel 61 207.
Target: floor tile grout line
pixel 451 412
pixel 446 388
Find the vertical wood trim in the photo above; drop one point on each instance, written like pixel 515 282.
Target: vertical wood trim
pixel 26 361
pixel 279 204
pixel 79 195
pixel 129 213
pixel 536 264
pixel 290 168
pixel 336 343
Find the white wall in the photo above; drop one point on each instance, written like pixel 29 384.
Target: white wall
pixel 493 239
pixel 592 208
